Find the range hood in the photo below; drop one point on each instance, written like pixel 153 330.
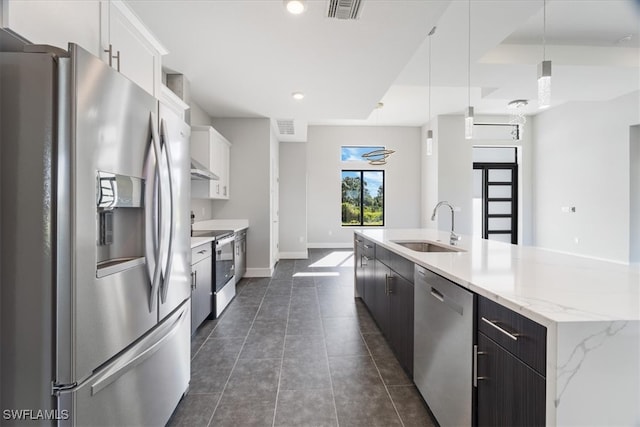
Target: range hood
pixel 200 171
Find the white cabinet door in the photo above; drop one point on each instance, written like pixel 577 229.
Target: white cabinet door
pixel 212 150
pixel 135 52
pixel 55 23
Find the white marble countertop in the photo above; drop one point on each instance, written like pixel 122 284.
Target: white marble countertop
pixel 217 224
pixel 545 286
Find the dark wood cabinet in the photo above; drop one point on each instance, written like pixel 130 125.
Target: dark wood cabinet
pixel 389 298
pixel 511 360
pixel 401 319
pixel 510 393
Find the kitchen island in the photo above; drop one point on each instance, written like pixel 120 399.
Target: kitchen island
pixel 590 309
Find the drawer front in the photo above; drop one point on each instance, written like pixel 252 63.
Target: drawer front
pixel 522 337
pixel 368 249
pixel 395 262
pixel 201 252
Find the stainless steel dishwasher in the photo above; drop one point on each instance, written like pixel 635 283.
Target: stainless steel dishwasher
pixel 443 347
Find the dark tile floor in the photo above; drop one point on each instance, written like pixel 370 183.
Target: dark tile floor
pixel 298 350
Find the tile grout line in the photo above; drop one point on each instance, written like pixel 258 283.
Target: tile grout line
pixel 235 363
pixel 284 343
pixel 326 352
pixel 380 375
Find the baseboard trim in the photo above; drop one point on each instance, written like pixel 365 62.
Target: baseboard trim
pixel 294 255
pixel 259 272
pixel 330 245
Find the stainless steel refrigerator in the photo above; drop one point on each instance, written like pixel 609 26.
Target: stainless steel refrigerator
pixel 95 249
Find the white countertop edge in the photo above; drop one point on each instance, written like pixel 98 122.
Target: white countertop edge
pixel 546 311
pixel 222 224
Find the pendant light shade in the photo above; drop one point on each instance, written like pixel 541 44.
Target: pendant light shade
pixel 544 68
pixel 468 116
pixel 544 84
pixel 468 123
pixel 429 131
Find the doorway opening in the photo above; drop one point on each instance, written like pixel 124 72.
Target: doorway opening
pixel 495 193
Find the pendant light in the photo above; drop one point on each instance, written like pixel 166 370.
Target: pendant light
pixel 429 131
pixel 468 116
pixel 544 68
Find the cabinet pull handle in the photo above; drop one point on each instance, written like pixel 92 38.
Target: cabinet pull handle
pixel 358 241
pixel 390 282
pixel 477 353
pixel 202 251
pixel 368 246
pixel 110 52
pixel 118 58
pixel 513 336
pixel 422 273
pixel 365 260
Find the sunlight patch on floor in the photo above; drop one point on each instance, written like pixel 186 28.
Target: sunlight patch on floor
pixel 316 274
pixel 334 259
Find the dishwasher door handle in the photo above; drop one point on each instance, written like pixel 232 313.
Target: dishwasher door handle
pixel 449 302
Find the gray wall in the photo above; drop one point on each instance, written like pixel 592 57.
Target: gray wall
pixel 634 191
pixel 454 156
pixel 582 160
pixel 249 187
pixel 402 179
pixel 293 199
pixel 202 208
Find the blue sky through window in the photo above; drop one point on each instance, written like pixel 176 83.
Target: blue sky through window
pixel 352 153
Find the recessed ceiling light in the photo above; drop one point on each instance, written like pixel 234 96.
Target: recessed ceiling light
pixel 297 96
pixel 295 7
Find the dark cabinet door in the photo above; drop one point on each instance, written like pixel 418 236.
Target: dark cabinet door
pixel 379 301
pixel 510 393
pixel 400 295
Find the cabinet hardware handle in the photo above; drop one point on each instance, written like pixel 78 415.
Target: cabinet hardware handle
pixel 364 261
pixel 358 241
pixel 477 353
pixel 513 336
pixel 118 58
pixel 202 251
pixel 368 246
pixel 386 284
pixel 110 52
pixel 390 282
pixel 422 273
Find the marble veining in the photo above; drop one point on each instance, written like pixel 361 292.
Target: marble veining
pixel 573 364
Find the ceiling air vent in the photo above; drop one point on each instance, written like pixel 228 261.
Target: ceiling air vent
pixel 285 127
pixel 344 9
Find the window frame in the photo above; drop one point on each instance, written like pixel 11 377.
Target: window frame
pixel 384 197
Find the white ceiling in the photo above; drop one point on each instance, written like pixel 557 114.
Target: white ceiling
pixel 244 58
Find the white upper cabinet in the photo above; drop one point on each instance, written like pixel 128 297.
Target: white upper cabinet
pixel 129 46
pixel 213 150
pixel 95 25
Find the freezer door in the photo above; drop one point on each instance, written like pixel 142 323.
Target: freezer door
pixel 176 284
pixel 114 237
pixel 143 385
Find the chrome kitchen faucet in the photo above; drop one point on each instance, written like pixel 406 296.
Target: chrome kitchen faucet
pixel 454 237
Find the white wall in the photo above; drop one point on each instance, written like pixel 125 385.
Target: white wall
pixel 429 176
pixel 582 160
pixel 249 187
pixel 402 179
pixel 634 192
pixel 293 199
pixel 454 155
pixel 274 191
pixel 202 208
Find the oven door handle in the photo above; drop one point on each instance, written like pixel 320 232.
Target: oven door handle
pixel 224 241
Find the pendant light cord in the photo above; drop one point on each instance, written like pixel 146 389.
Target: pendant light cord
pixel 544 29
pixel 429 103
pixel 469 59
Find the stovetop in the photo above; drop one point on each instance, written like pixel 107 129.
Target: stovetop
pixel 218 234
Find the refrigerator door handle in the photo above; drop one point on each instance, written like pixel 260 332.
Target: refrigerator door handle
pixel 153 204
pixel 139 354
pixel 165 145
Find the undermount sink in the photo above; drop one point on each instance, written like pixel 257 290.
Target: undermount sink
pixel 425 246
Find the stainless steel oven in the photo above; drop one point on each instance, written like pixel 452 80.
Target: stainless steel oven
pixel 225 283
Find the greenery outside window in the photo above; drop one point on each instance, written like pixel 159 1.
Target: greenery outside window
pixel 362 198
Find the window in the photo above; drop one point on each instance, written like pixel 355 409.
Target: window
pixel 353 153
pixel 363 197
